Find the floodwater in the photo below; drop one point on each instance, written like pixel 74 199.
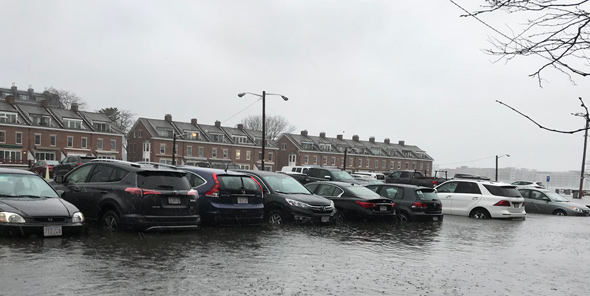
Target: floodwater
pixel 542 255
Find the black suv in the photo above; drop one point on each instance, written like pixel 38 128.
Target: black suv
pixel 69 163
pixel 123 195
pixel 226 197
pixel 411 202
pixel 285 199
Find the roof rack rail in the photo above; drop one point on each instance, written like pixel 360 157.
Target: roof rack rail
pixel 157 164
pixel 133 164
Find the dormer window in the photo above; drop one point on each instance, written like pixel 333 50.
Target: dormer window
pixel 307 146
pixel 376 151
pixel 217 138
pixel 326 147
pixel 8 117
pixel 101 127
pixel 191 135
pixel 240 139
pixel 165 133
pixel 73 123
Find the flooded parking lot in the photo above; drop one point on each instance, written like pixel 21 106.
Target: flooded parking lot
pixel 543 255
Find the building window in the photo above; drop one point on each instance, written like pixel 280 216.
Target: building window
pixel 2 137
pixel 218 138
pixel 84 142
pixel 44 156
pixel 248 154
pixel 8 117
pixel 307 146
pixel 52 140
pixel 224 153
pixel 214 152
pixel 190 135
pixel 421 166
pixel 283 146
pixel 333 160
pixel 201 151
pixel 351 162
pixel 73 123
pixel 383 164
pixel 270 156
pixel 10 155
pixel 259 156
pixel 240 139
pixel 413 166
pixel 189 151
pixel 407 165
pixel 325 160
pixel 166 133
pixel 399 165
pixel 238 154
pixel 101 127
pixel 367 164
pixel 376 164
pixel 315 159
pixel 113 145
pixel 70 141
pixel 162 148
pixel 292 158
pixel 18 136
pixel 306 159
pixel 146 147
pixel 360 163
pixel 391 165
pixel 37 139
pixel 99 144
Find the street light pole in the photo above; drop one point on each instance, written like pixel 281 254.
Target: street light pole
pixel 174 149
pixel 581 192
pixel 497 164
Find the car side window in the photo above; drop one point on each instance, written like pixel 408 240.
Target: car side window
pixel 389 192
pixel 312 187
pixel 395 174
pixel 404 175
pixel 264 188
pixel 79 175
pixel 373 188
pixel 337 191
pixel 118 175
pixel 447 187
pixel 467 187
pixel 326 190
pixel 524 193
pixel 537 195
pixel 195 180
pixel 313 173
pixel 101 173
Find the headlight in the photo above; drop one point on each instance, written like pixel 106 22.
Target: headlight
pixel 8 217
pixel 332 203
pixel 576 209
pixel 296 203
pixel 77 217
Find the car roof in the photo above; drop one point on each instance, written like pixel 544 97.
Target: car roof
pixel 341 184
pixel 209 170
pixel 400 185
pixel 262 173
pixel 15 171
pixel 141 166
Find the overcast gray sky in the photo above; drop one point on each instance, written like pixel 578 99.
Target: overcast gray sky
pixel 404 70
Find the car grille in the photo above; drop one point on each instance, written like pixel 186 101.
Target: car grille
pixel 321 209
pixel 50 219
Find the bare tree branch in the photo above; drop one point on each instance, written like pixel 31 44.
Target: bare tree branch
pixel 275 125
pixel 67 98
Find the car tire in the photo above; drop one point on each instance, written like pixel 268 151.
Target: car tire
pixel 338 217
pixel 110 221
pixel 403 217
pixel 559 213
pixel 480 214
pixel 275 218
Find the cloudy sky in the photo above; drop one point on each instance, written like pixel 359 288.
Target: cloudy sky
pixel 404 70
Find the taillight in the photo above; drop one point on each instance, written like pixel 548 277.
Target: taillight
pixel 418 204
pixel 192 192
pixel 434 183
pixel 79 163
pixel 214 191
pixel 141 192
pixel 502 203
pixel 392 205
pixel 366 205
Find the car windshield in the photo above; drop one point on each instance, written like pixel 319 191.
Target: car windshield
pixel 363 192
pixel 285 184
pixel 556 197
pixel 342 175
pixel 15 185
pixel 162 180
pixel 426 194
pixel 508 191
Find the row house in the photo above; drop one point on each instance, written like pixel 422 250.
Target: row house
pixel 353 155
pixel 34 126
pixel 193 143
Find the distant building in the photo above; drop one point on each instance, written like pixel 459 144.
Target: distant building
pixel 303 149
pixel 35 126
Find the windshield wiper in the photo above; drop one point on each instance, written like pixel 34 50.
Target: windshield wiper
pixel 26 195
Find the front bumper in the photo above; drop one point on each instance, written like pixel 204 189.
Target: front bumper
pixel 36 229
pixel 304 215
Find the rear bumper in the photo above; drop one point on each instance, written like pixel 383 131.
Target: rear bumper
pixel 160 223
pixel 505 214
pixel 27 229
pixel 233 214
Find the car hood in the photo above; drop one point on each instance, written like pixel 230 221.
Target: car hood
pixel 571 204
pixel 34 207
pixel 311 199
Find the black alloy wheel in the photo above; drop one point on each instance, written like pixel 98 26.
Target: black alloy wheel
pixel 559 213
pixel 403 217
pixel 480 214
pixel 110 221
pixel 275 218
pixel 338 218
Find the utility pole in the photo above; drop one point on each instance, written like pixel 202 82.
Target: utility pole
pixel 174 149
pixel 581 193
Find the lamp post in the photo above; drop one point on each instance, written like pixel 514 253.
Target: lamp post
pixel 263 96
pixel 497 164
pixel 581 192
pixel 174 149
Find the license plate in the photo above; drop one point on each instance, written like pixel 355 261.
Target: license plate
pixel 383 208
pixel 434 218
pixel 325 219
pixel 52 231
pixel 242 200
pixel 174 200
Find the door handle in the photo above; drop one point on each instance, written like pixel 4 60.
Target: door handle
pixel 475 198
pixel 448 196
pixel 104 192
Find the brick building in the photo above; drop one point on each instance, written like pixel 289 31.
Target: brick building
pixel 304 149
pixel 196 143
pixel 35 126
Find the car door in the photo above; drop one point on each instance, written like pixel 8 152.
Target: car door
pixel 396 194
pixel 530 204
pixel 75 190
pixel 542 202
pixel 100 186
pixel 445 193
pixel 465 197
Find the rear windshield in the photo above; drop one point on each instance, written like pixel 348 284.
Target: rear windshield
pixel 509 191
pixel 363 192
pixel 162 180
pixel 426 194
pixel 237 183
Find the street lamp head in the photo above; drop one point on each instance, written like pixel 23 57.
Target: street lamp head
pixel 285 98
pixel 241 94
pixel 508 155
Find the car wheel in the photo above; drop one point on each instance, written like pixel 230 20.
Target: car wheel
pixel 403 217
pixel 110 221
pixel 275 217
pixel 480 214
pixel 338 217
pixel 559 213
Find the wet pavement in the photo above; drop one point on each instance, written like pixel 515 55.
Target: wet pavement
pixel 542 255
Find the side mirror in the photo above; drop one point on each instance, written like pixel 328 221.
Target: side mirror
pixel 327 177
pixel 59 179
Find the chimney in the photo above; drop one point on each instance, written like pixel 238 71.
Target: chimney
pixel 168 117
pixel 240 126
pixel 217 123
pixel 194 121
pixel 339 137
pixel 304 133
pixel 13 88
pixel 322 135
pixel 74 107
pixel 31 91
pixel 45 104
pixel 10 99
pixel 403 143
pixel 372 140
pixel 355 138
pixel 387 141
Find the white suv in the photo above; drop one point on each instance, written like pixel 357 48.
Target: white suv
pixel 481 199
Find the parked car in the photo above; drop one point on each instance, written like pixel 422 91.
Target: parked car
pixel 528 184
pixel 122 195
pixel 285 199
pixel 481 199
pixel 29 206
pixel 371 175
pixel 226 197
pixel 42 167
pixel 413 178
pixel 547 202
pixel 69 163
pixel 330 174
pixel 354 201
pixel 411 202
